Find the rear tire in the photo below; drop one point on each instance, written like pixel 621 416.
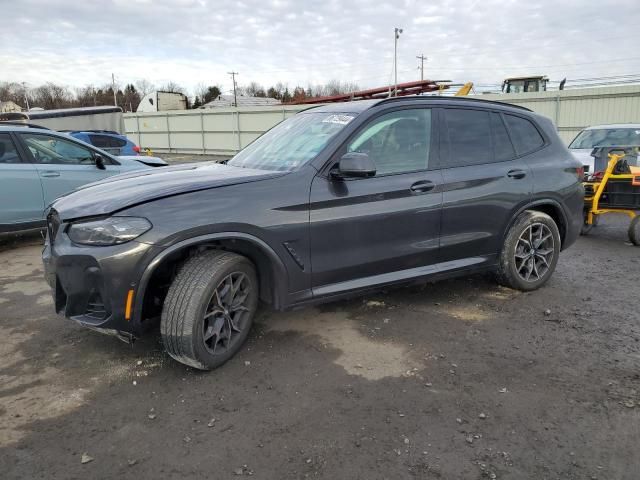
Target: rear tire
pixel 634 231
pixel 530 252
pixel 209 309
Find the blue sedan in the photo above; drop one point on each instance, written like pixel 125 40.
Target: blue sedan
pixel 112 142
pixel 39 165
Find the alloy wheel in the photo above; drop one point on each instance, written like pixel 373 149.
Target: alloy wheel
pixel 227 313
pixel 534 252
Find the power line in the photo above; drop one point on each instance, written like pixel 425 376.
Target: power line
pixel 422 58
pixel 473 69
pixel 235 96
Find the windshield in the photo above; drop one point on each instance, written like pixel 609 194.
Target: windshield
pixel 291 143
pixel 607 137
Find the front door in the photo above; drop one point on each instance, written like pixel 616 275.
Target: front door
pixel 366 231
pixel 63 165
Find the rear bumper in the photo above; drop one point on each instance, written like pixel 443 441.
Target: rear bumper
pixel 90 285
pixel 574 210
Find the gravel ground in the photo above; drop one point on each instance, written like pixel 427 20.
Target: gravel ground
pixel 455 380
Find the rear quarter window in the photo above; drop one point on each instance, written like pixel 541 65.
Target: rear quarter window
pixel 526 137
pixel 8 152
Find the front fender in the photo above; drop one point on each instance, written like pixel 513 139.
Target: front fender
pixel 280 271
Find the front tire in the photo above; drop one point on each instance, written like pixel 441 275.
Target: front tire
pixel 209 309
pixel 530 252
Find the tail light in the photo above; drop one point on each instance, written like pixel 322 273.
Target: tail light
pixel 136 149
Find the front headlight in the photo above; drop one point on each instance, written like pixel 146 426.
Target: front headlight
pixel 109 231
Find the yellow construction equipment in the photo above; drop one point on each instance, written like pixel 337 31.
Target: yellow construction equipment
pixel 616 190
pixel 464 90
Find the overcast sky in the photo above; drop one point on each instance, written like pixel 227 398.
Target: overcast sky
pixel 302 41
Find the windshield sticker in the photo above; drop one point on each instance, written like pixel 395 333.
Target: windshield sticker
pixel 339 119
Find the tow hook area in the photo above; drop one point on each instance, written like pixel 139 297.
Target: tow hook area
pixel 126 337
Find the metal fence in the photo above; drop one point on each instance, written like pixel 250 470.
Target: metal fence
pixel 573 110
pixel 219 131
pixel 224 131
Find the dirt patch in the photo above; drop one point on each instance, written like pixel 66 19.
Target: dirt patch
pixel 455 380
pixel 360 354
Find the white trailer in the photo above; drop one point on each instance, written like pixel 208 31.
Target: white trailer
pixel 81 118
pixel 162 102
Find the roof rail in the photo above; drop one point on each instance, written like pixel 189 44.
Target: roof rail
pixel 455 99
pixel 22 124
pixel 91 131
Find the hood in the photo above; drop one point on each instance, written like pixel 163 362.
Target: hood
pixel 129 189
pixel 147 160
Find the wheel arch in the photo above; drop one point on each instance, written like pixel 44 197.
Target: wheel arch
pixel 271 271
pixel 551 207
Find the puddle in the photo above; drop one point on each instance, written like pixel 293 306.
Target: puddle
pixel 359 354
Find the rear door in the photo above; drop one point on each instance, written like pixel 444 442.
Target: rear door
pixel 63 165
pixel 21 199
pixel 485 181
pixel 366 231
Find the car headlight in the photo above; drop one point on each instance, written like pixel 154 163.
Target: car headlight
pixel 108 231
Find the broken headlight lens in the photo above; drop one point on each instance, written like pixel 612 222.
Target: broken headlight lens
pixel 109 231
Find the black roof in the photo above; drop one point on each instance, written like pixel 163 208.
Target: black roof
pixel 359 106
pixel 453 100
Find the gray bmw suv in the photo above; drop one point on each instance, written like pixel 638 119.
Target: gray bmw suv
pixel 334 201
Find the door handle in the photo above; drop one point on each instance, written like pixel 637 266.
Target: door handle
pixel 422 186
pixel 49 174
pixel 517 174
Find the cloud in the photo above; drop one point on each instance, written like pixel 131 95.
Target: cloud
pixel 307 42
pixel 428 20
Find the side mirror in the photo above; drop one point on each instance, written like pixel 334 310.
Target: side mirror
pixel 100 162
pixel 356 164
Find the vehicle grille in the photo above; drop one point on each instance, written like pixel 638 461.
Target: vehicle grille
pixel 53 224
pixel 95 307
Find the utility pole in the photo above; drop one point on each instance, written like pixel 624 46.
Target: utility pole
pixel 235 97
pixel 26 97
pixel 396 36
pixel 422 58
pixel 113 87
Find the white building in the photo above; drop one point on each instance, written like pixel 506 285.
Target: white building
pixel 228 101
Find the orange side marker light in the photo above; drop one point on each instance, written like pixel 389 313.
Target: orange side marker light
pixel 128 306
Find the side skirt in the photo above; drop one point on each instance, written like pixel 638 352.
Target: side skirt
pixel 440 271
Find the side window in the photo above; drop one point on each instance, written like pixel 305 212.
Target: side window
pixel 117 142
pixel 502 145
pixel 8 152
pixel 100 141
pixel 469 135
pixel 525 135
pixel 397 142
pixel 54 150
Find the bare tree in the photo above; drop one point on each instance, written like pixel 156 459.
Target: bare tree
pixel 13 92
pixel 172 87
pixel 144 87
pixel 51 95
pixel 254 89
